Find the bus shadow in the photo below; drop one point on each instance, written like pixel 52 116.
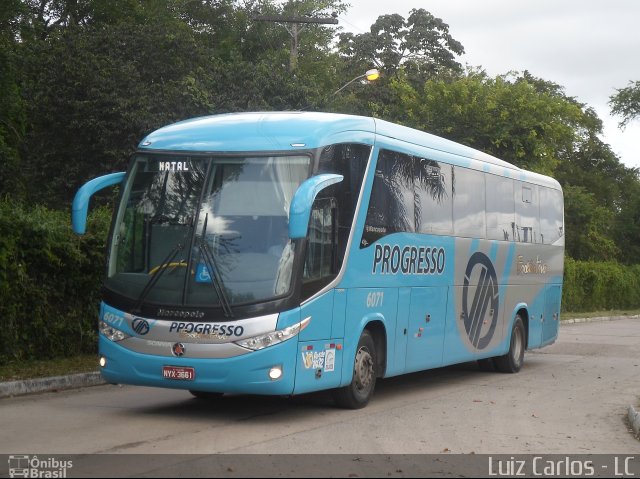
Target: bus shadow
pixel 261 408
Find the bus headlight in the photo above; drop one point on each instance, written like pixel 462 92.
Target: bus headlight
pixel 111 333
pixel 281 335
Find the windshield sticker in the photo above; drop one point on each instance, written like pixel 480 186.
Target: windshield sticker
pixel 202 274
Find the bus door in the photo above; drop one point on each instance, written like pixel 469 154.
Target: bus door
pixel 425 332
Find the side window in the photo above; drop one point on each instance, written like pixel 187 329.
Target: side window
pixel 320 261
pixel 527 229
pixel 500 208
pixel 468 203
pixel 551 216
pixel 433 197
pixel 349 160
pixel 391 206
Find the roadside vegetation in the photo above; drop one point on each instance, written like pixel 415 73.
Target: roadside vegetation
pixel 82 82
pixel 41 368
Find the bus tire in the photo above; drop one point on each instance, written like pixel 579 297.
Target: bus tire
pixel 357 394
pixel 513 360
pixel 205 395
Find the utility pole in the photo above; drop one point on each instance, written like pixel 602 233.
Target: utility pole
pixel 297 25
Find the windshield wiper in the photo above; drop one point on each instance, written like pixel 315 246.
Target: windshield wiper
pixel 212 265
pixel 156 277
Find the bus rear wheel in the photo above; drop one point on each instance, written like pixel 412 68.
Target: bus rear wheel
pixel 513 360
pixel 358 393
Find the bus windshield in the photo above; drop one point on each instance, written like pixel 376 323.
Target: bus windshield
pixel 205 231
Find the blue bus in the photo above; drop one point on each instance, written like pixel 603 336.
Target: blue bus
pixel 289 252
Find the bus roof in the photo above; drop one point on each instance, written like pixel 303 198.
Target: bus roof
pixel 258 131
pixel 283 131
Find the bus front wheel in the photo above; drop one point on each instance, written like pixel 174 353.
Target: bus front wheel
pixel 358 393
pixel 513 360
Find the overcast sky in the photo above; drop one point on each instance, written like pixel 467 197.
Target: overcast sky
pixel 590 47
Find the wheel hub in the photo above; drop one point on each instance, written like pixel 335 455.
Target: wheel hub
pixel 363 370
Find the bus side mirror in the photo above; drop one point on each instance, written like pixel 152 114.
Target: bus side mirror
pixel 300 209
pixel 84 194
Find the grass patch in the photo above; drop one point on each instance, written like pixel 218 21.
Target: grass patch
pixel 15 370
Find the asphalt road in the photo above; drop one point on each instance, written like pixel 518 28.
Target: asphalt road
pixel 569 398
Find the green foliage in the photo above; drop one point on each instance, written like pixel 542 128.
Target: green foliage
pixel 626 103
pixel 504 116
pixel 421 45
pixel 531 123
pixel 589 226
pixel 95 92
pixel 12 106
pixel 49 282
pixel 597 286
pixel 98 78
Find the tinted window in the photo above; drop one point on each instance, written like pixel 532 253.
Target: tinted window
pixel 350 161
pixel 433 197
pixel 551 216
pixel 468 203
pixel 527 228
pixel 320 259
pixel 500 208
pixel 391 206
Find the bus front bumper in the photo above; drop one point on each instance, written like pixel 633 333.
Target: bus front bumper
pixel 247 374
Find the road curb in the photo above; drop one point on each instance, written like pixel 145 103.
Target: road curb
pixel 597 319
pixel 55 383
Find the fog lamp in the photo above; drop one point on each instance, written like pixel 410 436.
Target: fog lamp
pixel 275 373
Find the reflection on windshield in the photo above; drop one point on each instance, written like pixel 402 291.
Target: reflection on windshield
pixel 237 207
pixel 246 206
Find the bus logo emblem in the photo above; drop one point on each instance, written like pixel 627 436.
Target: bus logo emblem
pixel 178 349
pixel 140 326
pixel 482 308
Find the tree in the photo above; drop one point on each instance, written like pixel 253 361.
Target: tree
pixel 627 217
pixel 504 116
pixel 12 106
pixel 94 90
pixel 590 227
pixel 531 123
pixel 421 45
pixel 98 75
pixel 626 103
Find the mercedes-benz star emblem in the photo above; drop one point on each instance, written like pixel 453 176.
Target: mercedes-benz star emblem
pixel 178 349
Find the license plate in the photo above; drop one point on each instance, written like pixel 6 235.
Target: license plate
pixel 178 373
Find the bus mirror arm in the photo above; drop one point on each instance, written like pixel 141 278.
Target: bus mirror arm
pixel 84 194
pixel 300 209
